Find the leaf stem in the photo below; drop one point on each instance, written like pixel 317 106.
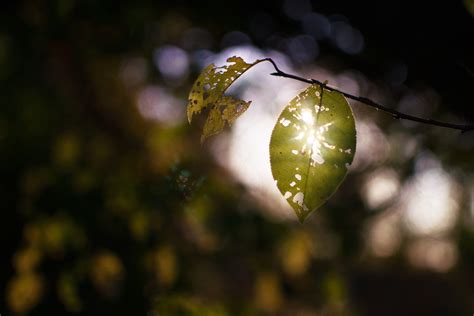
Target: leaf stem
pixel 394 113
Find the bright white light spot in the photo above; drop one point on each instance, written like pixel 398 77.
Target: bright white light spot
pixel 287 195
pixel 430 202
pixel 294 152
pixel 372 145
pixel 317 157
pixel 307 117
pixel 299 198
pixel 300 136
pixel 329 146
pixel 292 184
pixel 285 122
pixel 380 187
pixel 298 176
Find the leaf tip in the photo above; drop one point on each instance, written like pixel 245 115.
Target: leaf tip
pixel 302 217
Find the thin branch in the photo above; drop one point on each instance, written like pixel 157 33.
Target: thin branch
pixel 395 114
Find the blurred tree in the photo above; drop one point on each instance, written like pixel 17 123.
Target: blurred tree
pixel 110 204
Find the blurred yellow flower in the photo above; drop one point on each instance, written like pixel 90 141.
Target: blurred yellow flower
pixel 23 292
pixel 25 260
pixel 164 266
pixel 268 296
pixel 107 272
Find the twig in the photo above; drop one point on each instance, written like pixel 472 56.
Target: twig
pixel 395 114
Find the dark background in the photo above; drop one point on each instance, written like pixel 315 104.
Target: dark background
pixel 104 211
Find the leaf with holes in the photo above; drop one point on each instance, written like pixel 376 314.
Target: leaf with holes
pixel 312 145
pixel 208 92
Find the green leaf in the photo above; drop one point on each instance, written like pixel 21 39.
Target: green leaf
pixel 312 145
pixel 208 92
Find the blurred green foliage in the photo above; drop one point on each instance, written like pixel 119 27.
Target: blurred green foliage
pixel 105 212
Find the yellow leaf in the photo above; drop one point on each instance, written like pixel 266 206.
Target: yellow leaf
pixel 208 92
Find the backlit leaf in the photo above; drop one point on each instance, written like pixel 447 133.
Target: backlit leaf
pixel 312 145
pixel 208 92
pixel 227 110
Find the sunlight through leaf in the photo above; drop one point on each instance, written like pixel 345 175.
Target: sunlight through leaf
pixel 312 145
